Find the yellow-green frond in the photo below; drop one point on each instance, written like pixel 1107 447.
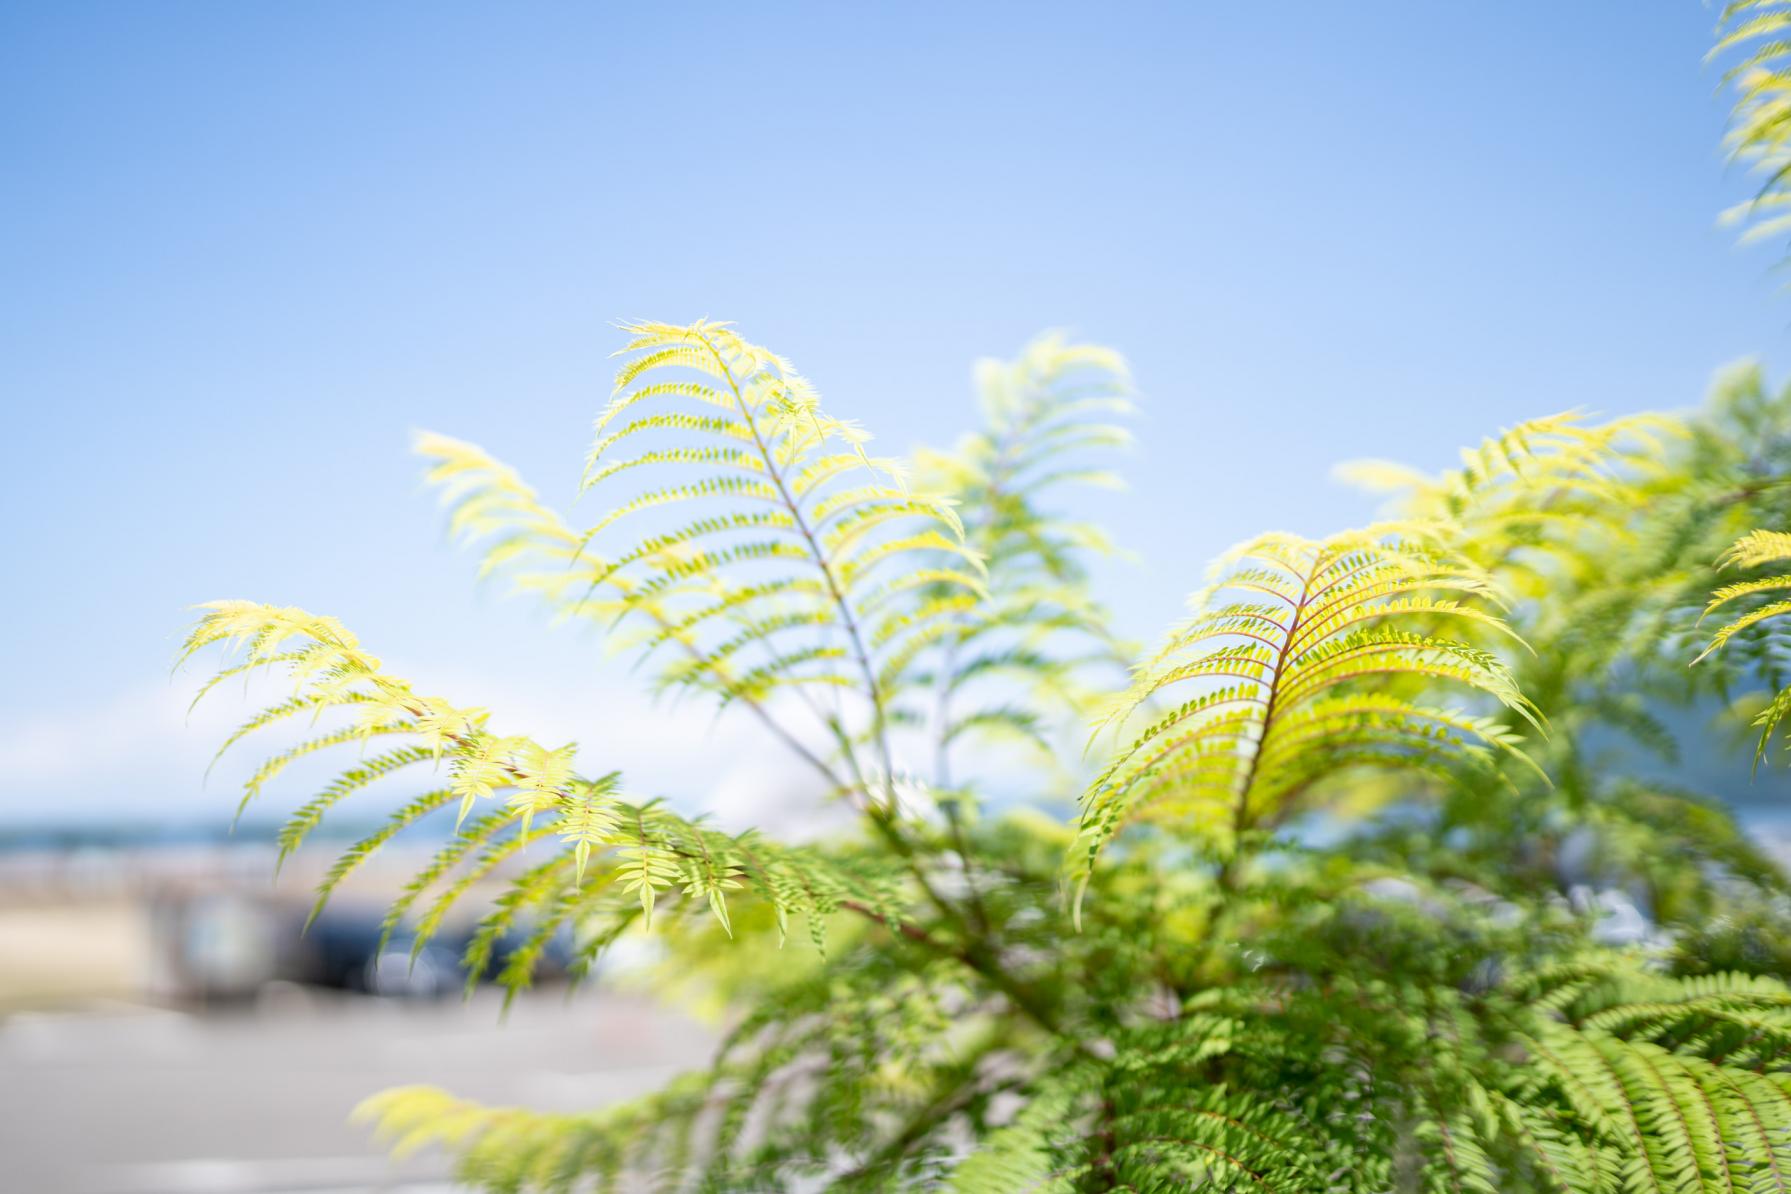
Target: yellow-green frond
pixel 1540 501
pixel 1268 699
pixel 1759 135
pixel 1758 607
pixel 1051 421
pixel 1758 547
pixel 747 540
pixel 501 788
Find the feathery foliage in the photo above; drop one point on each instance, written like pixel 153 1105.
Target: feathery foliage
pixel 1307 673
pixel 1603 533
pixel 784 562
pixel 1752 38
pixel 609 847
pixel 1032 649
pixel 1227 1002
pixel 1761 600
pixel 1339 912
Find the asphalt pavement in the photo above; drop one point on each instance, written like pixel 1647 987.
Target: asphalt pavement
pixel 119 1098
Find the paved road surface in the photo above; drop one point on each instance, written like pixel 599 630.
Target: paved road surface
pixel 119 1099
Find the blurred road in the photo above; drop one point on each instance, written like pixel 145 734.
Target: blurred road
pixel 127 1099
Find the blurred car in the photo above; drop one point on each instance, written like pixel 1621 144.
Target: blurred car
pixel 343 949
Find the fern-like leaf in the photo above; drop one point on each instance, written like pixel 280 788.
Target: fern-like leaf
pixel 1759 606
pixel 646 849
pixel 771 556
pixel 1305 671
pixel 1036 637
pixel 1758 135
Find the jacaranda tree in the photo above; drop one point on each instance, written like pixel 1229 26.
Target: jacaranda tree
pixel 1291 901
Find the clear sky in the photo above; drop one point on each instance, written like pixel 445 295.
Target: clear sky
pixel 246 248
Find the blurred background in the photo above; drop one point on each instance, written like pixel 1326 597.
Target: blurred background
pixel 247 249
pixel 165 1026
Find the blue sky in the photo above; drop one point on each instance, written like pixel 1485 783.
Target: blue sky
pixel 247 248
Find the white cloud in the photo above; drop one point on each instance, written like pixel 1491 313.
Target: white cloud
pixel 131 757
